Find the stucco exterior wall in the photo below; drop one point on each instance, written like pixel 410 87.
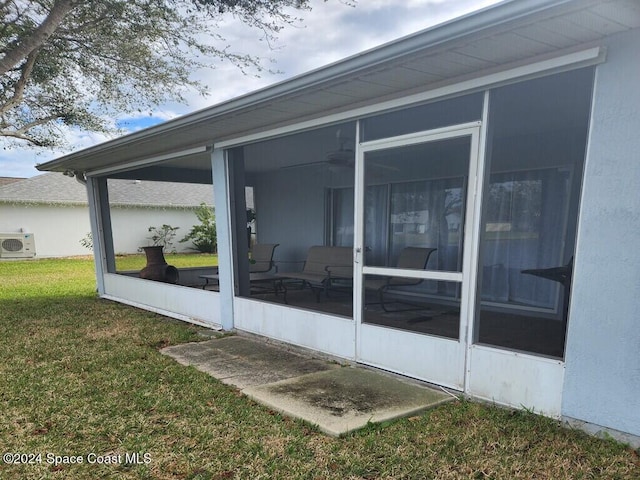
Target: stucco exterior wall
pixel 602 381
pixel 58 229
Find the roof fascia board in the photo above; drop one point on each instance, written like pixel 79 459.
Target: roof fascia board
pixel 445 32
pixel 581 58
pixel 145 161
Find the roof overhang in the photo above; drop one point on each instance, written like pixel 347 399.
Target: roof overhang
pixel 507 36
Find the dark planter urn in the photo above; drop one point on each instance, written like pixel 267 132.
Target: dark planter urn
pixel 157 268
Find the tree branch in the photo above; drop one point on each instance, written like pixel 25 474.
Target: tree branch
pixel 39 36
pixel 73 62
pixel 36 123
pixel 21 133
pixel 21 84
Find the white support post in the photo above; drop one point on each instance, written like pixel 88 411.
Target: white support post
pixel 223 228
pixel 99 256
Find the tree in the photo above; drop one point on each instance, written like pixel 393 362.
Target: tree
pixel 80 62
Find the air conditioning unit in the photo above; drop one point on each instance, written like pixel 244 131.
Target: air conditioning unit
pixel 17 245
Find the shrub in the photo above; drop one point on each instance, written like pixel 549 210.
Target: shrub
pixel 87 241
pixel 204 236
pixel 164 236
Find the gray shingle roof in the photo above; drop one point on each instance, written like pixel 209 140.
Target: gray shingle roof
pixel 57 189
pixel 8 180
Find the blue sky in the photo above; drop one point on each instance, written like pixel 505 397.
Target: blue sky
pixel 329 32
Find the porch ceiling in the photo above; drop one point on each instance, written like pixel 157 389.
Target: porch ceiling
pixel 509 34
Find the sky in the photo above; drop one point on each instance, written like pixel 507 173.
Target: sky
pixel 331 31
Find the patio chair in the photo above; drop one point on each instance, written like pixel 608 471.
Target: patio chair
pixel 260 266
pixel 262 258
pixel 414 258
pixel 324 268
pixel 262 269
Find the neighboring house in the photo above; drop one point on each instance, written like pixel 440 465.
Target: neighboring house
pixel 54 208
pixel 8 180
pixel 511 135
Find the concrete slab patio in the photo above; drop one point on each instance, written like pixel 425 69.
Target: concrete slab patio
pixel 338 399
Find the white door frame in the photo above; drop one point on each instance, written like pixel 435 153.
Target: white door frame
pixel 454 351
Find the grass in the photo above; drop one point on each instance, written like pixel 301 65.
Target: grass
pixel 80 376
pixel 180 260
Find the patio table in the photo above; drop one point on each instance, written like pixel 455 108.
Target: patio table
pixel 257 281
pixel 562 275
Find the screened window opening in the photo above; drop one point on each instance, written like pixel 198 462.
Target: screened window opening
pixel 441 113
pixel 159 223
pixel 530 211
pixel 284 261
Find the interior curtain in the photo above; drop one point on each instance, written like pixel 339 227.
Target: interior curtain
pixel 430 214
pixel 525 220
pixel 376 225
pixel 424 213
pixel 342 221
pixel 376 221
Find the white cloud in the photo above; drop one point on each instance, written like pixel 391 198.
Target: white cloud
pixel 21 162
pixel 330 32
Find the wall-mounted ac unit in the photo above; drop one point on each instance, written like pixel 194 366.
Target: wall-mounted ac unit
pixel 17 245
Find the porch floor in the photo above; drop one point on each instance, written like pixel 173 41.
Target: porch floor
pixel 338 399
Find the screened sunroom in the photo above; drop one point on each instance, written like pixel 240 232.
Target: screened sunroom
pixel 417 196
pixel 456 207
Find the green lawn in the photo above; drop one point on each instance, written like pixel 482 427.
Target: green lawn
pixel 83 377
pixel 180 260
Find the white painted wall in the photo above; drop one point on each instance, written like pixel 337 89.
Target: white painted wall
pixel 517 380
pixel 58 229
pixel 130 226
pixel 318 331
pixel 304 222
pixel 184 303
pixel 602 377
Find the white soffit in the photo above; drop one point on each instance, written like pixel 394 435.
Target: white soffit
pixel 473 46
pixel 500 77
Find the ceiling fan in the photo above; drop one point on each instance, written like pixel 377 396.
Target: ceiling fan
pixel 341 157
